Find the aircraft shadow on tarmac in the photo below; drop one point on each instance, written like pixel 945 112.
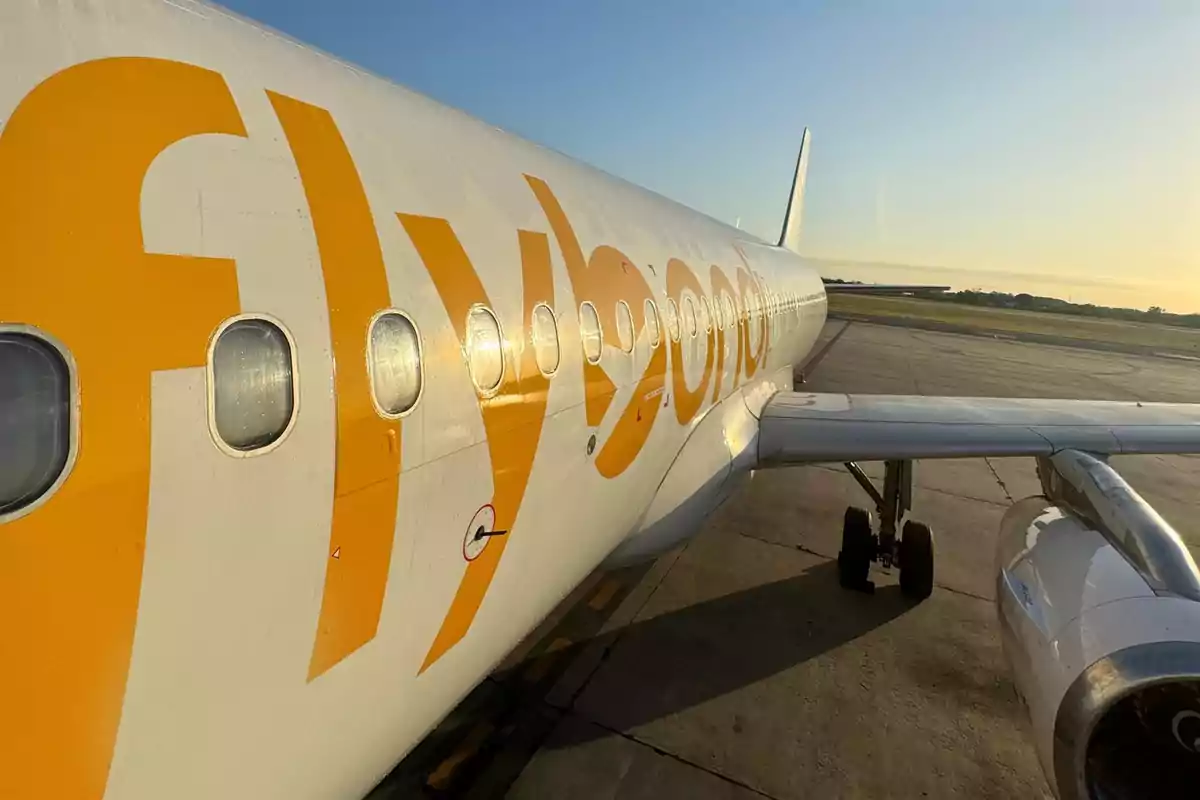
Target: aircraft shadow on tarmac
pixel 668 663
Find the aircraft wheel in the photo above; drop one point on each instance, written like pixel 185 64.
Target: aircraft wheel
pixel 858 548
pixel 916 560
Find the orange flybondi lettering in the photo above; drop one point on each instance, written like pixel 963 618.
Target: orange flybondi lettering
pixel 512 418
pixel 73 156
pixel 751 295
pixel 604 279
pixel 687 402
pixel 367 477
pixel 722 290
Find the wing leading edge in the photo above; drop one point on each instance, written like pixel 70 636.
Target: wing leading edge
pixel 883 288
pixel 799 428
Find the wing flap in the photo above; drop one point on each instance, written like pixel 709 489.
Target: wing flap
pixel 798 428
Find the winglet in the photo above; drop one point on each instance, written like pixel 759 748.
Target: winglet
pixel 790 236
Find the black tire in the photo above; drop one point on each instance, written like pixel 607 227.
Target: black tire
pixel 858 548
pixel 916 561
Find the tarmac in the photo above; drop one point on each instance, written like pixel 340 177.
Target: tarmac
pixel 736 667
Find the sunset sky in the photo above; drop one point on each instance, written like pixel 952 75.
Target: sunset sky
pixel 1037 146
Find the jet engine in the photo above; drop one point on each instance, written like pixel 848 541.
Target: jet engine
pixel 1099 605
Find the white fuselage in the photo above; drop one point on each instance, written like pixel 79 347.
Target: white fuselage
pixel 185 619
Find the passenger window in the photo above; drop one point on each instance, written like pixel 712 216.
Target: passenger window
pixel 253 384
pixel 689 316
pixel 590 333
pixel 706 314
pixel 625 326
pixel 35 419
pixel 394 364
pixel 485 349
pixel 545 339
pixel 652 330
pixel 672 320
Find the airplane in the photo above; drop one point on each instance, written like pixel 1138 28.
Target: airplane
pixel 316 396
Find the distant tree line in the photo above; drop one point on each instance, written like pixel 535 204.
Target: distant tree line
pixel 1053 305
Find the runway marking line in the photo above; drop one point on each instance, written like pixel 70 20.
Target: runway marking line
pixel 541 665
pixel 608 590
pixel 440 778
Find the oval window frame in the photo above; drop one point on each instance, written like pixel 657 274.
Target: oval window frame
pixel 624 309
pixel 493 391
pixel 690 317
pixel 557 339
pixel 371 362
pixel 599 333
pixel 650 309
pixel 74 405
pixel 211 387
pixel 674 324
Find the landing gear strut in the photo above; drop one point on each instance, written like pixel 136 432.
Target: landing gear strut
pixel 912 552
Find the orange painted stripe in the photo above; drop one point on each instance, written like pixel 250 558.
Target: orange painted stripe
pixel 512 419
pixel 366 485
pixel 748 287
pixel 73 157
pixel 687 402
pixel 720 287
pixel 604 278
pixel 598 388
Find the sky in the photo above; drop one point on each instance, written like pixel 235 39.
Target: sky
pixel 1025 145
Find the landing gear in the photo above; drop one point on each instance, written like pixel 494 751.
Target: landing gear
pixel 916 560
pixel 912 553
pixel 858 550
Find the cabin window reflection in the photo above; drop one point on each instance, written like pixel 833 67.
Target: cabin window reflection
pixel 545 339
pixel 35 419
pixel 252 375
pixel 625 326
pixel 485 349
pixel 394 363
pixel 590 333
pixel 689 316
pixel 652 329
pixel 672 320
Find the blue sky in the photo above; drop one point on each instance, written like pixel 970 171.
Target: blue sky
pixel 1058 141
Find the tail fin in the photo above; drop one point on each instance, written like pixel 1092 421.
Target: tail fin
pixel 790 236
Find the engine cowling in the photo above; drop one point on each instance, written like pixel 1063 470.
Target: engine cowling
pixel 1099 605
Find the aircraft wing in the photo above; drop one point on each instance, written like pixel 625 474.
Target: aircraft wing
pixel 799 428
pixel 883 288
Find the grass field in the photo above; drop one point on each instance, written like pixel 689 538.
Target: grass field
pixel 1161 338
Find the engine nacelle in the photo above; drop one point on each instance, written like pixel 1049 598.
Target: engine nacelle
pixel 1099 604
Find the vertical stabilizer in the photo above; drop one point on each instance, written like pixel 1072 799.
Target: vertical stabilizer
pixel 790 236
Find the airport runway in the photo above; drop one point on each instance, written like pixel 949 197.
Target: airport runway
pixel 737 668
